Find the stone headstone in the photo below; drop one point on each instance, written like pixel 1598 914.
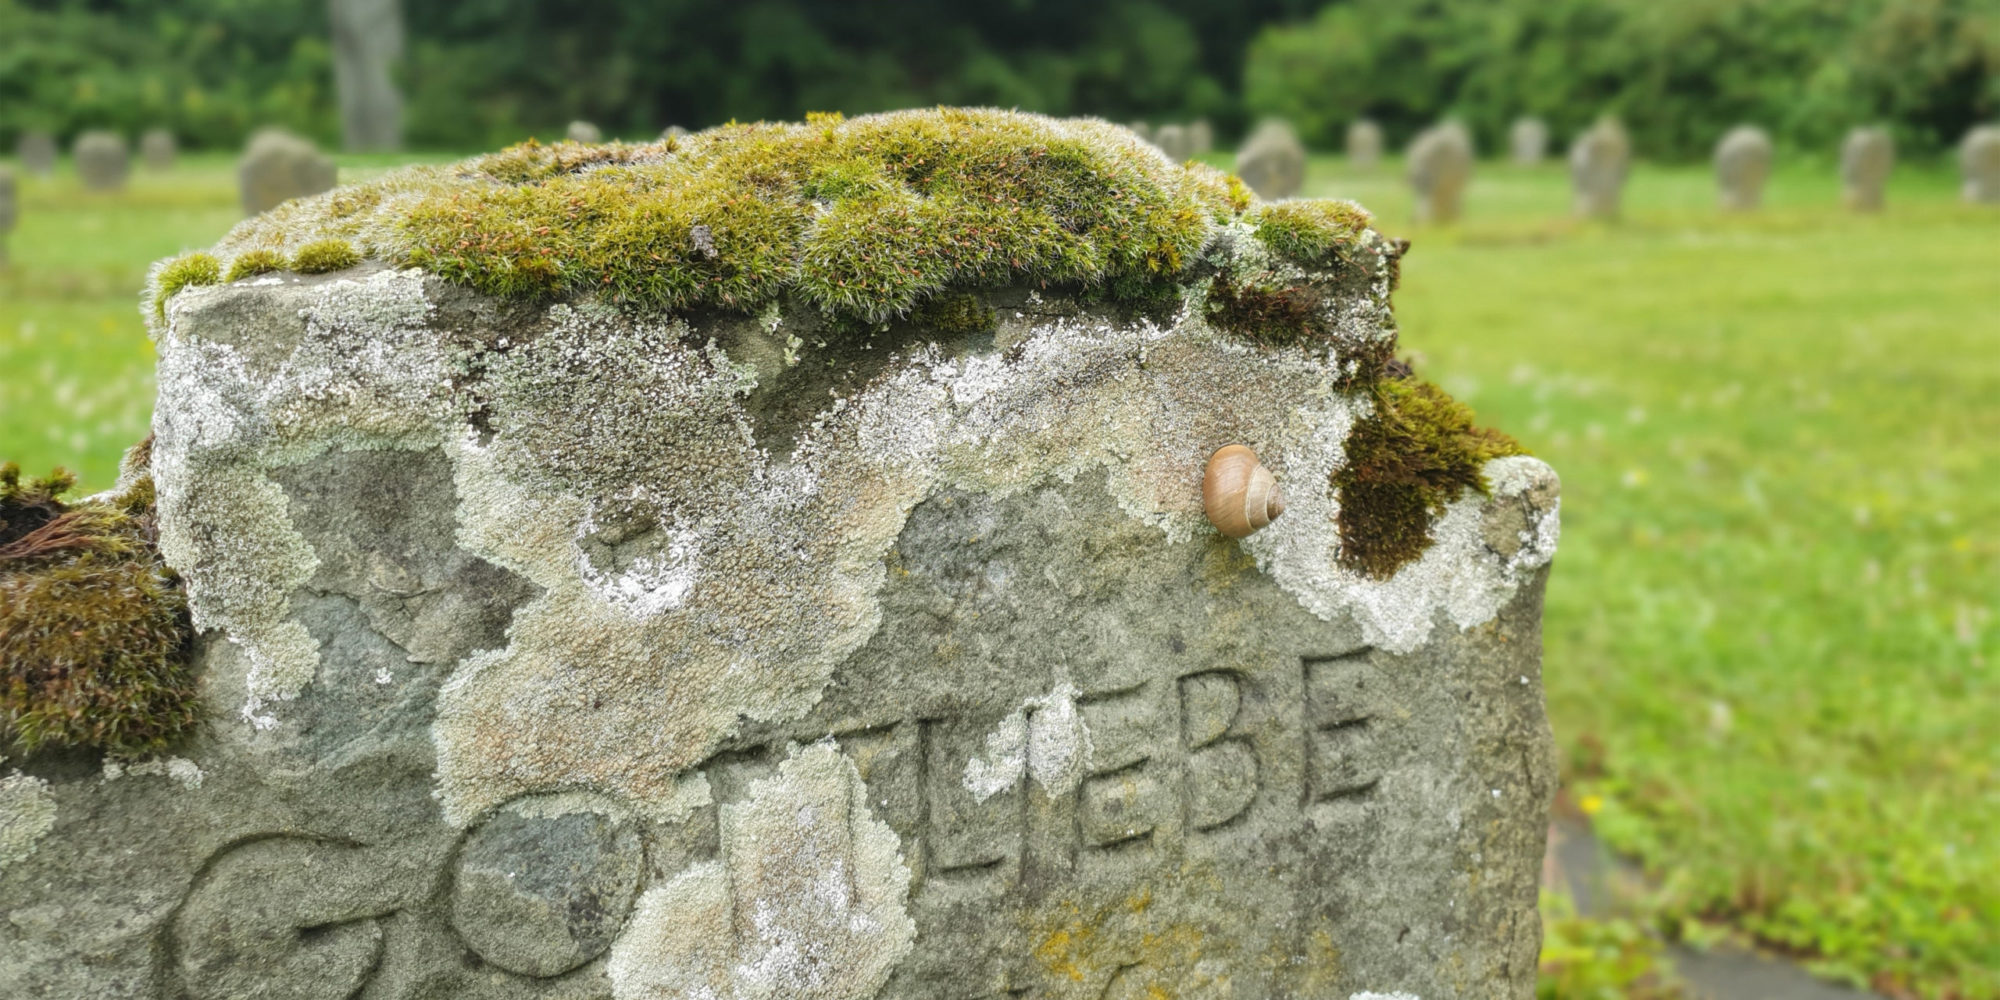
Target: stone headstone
pixel 579 649
pixel 1440 165
pixel 157 149
pixel 1173 141
pixel 1598 162
pixel 277 167
pixel 1979 162
pixel 1201 137
pixel 1142 130
pixel 1272 161
pixel 9 208
pixel 1528 142
pixel 1742 165
pixel 582 131
pixel 367 42
pixel 674 132
pixel 36 150
pixel 103 160
pixel 1364 144
pixel 1867 156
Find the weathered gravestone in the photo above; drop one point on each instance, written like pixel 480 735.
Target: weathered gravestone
pixel 674 132
pixel 818 611
pixel 1173 140
pixel 1979 162
pixel 583 131
pixel 103 160
pixel 1272 160
pixel 9 208
pixel 1867 156
pixel 1364 144
pixel 1440 166
pixel 1742 165
pixel 1598 162
pixel 36 150
pixel 367 41
pixel 1142 130
pixel 157 149
pixel 277 167
pixel 1528 142
pixel 1201 137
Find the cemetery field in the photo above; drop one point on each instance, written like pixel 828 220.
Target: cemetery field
pixel 1773 648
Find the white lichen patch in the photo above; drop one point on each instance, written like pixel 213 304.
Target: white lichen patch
pixel 1045 737
pixel 1383 996
pixel 180 770
pixel 27 813
pixel 807 901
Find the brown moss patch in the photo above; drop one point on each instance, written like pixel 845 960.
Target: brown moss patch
pixel 1267 311
pixel 1418 451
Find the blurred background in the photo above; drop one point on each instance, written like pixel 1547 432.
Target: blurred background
pixel 1771 631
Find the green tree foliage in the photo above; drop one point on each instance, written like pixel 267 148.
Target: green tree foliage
pixel 1679 74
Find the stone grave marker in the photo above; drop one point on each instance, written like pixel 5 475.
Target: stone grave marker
pixel 1528 142
pixel 1598 162
pixel 840 639
pixel 157 149
pixel 583 131
pixel 367 42
pixel 1173 141
pixel 278 166
pixel 1201 137
pixel 36 149
pixel 1867 156
pixel 1440 165
pixel 1272 160
pixel 1979 162
pixel 1364 144
pixel 103 160
pixel 674 132
pixel 1742 165
pixel 1141 129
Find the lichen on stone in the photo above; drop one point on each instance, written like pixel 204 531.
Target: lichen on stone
pixel 27 812
pixel 94 631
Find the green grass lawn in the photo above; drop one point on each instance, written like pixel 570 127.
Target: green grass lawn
pixel 1772 637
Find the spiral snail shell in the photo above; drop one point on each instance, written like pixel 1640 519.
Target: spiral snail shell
pixel 1238 494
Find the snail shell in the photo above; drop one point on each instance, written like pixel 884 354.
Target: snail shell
pixel 1238 494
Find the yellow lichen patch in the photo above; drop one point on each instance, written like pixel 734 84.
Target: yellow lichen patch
pixel 1120 942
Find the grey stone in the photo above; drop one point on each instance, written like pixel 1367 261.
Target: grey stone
pixel 36 150
pixel 277 167
pixel 367 42
pixel 1528 142
pixel 1364 144
pixel 9 208
pixel 1272 161
pixel 673 132
pixel 157 149
pixel 103 160
pixel 1979 162
pixel 1201 137
pixel 582 131
pixel 1742 165
pixel 1142 130
pixel 1173 140
pixel 1440 165
pixel 574 651
pixel 1867 156
pixel 1598 163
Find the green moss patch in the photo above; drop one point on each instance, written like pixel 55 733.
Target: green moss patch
pixel 322 256
pixel 1418 451
pixel 94 631
pixel 251 263
pixel 179 273
pixel 1315 232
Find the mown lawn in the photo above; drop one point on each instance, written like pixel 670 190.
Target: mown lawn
pixel 1772 638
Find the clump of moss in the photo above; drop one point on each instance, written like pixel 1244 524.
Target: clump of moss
pixel 1418 451
pixel 179 273
pixel 94 631
pixel 251 263
pixel 955 314
pixel 1317 232
pixel 1267 310
pixel 322 256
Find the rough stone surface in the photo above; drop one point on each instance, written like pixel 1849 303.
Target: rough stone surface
pixel 567 650
pixel 1174 141
pixel 103 160
pixel 1979 163
pixel 277 167
pixel 1364 144
pixel 367 42
pixel 157 149
pixel 1528 142
pixel 1742 165
pixel 1867 156
pixel 1440 165
pixel 36 150
pixel 1598 163
pixel 583 131
pixel 1272 161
